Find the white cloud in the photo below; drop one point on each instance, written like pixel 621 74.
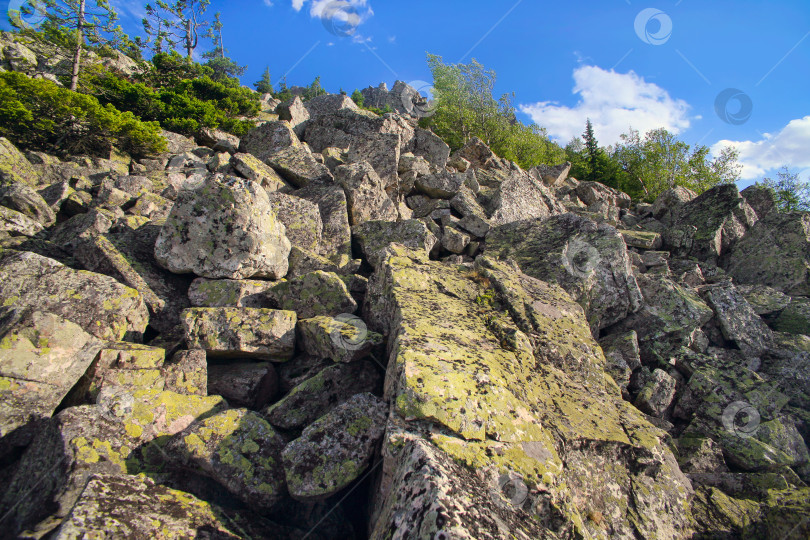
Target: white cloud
pixel 348 13
pixel 614 102
pixel 268 3
pixel 790 146
pixel 298 4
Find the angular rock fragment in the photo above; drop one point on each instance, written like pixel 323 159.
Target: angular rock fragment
pixel 374 236
pixel 313 294
pixel 365 194
pixel 264 334
pixel 187 373
pixel 254 169
pixel 243 384
pixel 268 139
pixel 229 293
pixel 24 199
pixel 738 320
pixel 342 339
pixel 298 166
pixel 301 218
pixel 336 449
pixel 657 394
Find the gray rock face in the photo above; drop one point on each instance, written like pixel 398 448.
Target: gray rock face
pixel 42 356
pixel 301 219
pixel 738 320
pixel 590 261
pixel 229 293
pixel 243 384
pixel 761 199
pixel 775 252
pixel 669 201
pixel 319 393
pixel 264 334
pixel 99 304
pixel 430 146
pixel 795 319
pixel 442 185
pixel 341 339
pixel 336 449
pixel 365 194
pixel 622 355
pixel 239 450
pixel 16 223
pixel 336 237
pixel 552 176
pixel 374 236
pixel 518 197
pixel 225 229
pixel 592 193
pixel 298 166
pixel 268 139
pixel 254 169
pixel 709 226
pixel 14 167
pixel 657 394
pixel 295 113
pixel 22 198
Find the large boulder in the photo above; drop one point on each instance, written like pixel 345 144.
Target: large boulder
pixel 23 198
pixel 482 399
pixel 373 237
pixel 669 201
pixel 336 237
pixel 269 138
pixel 343 339
pixel 589 261
pixel 42 356
pixel 301 219
pixel 99 304
pixel 516 196
pixel 224 229
pixel 254 169
pixel 298 166
pixel 264 334
pixel 761 199
pixel 708 226
pixel 14 167
pixel 775 252
pixel 313 294
pixel 738 320
pixel 365 194
pixel 336 449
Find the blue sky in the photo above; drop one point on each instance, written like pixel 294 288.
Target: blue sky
pixel 715 72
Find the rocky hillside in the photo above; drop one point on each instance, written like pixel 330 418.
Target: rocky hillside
pixel 335 328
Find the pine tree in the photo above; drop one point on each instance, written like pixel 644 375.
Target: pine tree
pixel 223 66
pixel 591 151
pixel 178 23
pixel 88 25
pixel 263 85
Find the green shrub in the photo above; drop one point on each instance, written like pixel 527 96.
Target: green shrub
pixel 40 115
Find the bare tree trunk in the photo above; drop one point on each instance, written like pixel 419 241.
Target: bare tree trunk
pixel 77 56
pixel 189 47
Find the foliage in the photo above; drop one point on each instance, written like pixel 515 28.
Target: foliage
pixel 358 98
pixel 222 66
pixel 264 85
pixel 313 90
pixel 182 99
pixel 466 108
pixel 660 161
pixel 790 192
pixel 39 114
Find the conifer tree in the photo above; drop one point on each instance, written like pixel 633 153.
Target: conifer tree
pixel 263 85
pixel 177 23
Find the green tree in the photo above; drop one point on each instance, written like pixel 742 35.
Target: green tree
pixel 314 90
pixel 263 85
pixel 177 23
pixel 592 152
pixel 76 24
pixel 222 66
pixel 358 98
pixel 790 192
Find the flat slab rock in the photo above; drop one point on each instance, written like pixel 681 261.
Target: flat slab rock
pixel 264 334
pixel 314 294
pixel 99 304
pixel 336 449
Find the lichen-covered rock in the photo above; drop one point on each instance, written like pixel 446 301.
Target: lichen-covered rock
pixel 298 166
pixel 313 294
pixel 430 146
pixel 42 356
pixel 295 113
pixel 454 240
pixel 243 384
pixel 224 229
pixel 442 185
pixel 499 372
pixel 552 176
pixel 761 199
pixel 125 433
pixel 642 239
pixel 738 320
pixel 24 199
pixel 657 393
pixel 123 506
pixel 254 169
pixel 336 237
pixel 795 318
pixel 669 201
pixel 99 304
pixel 233 293
pixel 320 392
pixel 589 261
pixel 709 225
pixel 622 355
pixel 265 334
pixel 17 223
pixel 301 218
pixel 516 196
pixel 14 167
pixel 374 236
pixel 592 193
pixel 668 318
pixel 336 449
pixel 775 252
pixel 269 138
pixel 239 450
pixel 365 194
pixel 342 339
pixel 763 299
pixel 151 206
pixel 187 373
